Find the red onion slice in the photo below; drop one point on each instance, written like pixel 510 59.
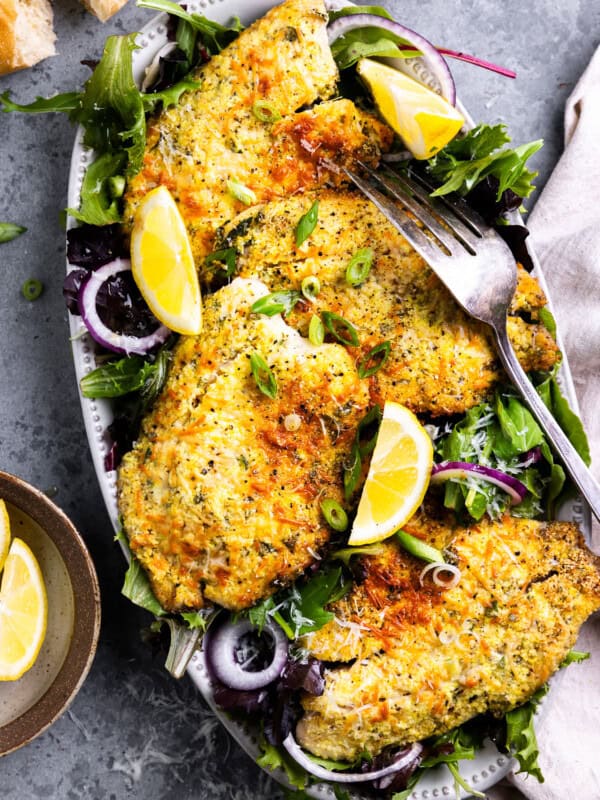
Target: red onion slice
pixel 101 333
pixel 431 69
pixel 221 647
pixel 300 757
pixel 463 469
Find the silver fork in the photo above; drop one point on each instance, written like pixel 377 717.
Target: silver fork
pixel 478 268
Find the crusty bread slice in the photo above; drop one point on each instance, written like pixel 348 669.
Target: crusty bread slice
pixel 26 33
pixel 103 9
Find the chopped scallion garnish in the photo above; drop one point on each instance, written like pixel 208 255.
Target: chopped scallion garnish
pixel 340 328
pixel 307 223
pixel 265 112
pixel 311 286
pixel 265 380
pixel 419 549
pixel 359 266
pixel 316 331
pixel 32 289
pixel 374 360
pixel 241 192
pixel 9 231
pixel 334 514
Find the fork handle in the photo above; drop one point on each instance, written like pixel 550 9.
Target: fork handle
pixel 574 464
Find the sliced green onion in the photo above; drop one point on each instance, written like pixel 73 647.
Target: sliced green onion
pixel 116 185
pixel 307 223
pixel 420 549
pixel 374 360
pixel 353 472
pixel 340 328
pixel 359 266
pixel 265 112
pixel 241 192
pixel 334 514
pixel 316 331
pixel 9 231
pixel 372 418
pixel 311 286
pixel 265 380
pixel 32 289
pixel 225 259
pixel 276 303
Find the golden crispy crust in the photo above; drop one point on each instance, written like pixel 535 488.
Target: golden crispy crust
pixel 8 16
pixel 420 660
pixel 220 496
pixel 441 361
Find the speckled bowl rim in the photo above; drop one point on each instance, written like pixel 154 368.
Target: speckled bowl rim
pixel 86 625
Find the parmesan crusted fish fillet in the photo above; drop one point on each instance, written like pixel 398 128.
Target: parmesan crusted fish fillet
pixel 441 360
pixel 420 660
pixel 215 137
pixel 220 496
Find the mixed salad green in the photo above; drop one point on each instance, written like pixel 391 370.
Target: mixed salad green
pixel 499 434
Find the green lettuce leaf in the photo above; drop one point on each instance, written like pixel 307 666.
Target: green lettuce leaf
pixel 520 735
pixel 98 206
pixel 468 160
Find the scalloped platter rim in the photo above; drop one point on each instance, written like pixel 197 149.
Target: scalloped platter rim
pixel 489 765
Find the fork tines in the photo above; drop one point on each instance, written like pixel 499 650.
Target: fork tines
pixel 451 228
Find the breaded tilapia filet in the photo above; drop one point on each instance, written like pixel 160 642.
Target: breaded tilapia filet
pixel 220 496
pixel 441 360
pixel 420 660
pixel 216 138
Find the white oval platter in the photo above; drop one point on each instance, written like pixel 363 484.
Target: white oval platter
pixel 489 766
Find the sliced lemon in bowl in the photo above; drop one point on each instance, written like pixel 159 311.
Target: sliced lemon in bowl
pixel 23 611
pixel 424 120
pixel 162 263
pixel 398 476
pixel 4 533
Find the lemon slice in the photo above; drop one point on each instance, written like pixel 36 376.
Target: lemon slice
pixel 425 120
pixel 398 476
pixel 23 612
pixel 163 265
pixel 4 533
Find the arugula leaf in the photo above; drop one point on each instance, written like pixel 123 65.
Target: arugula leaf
pixel 551 394
pixel 117 378
pixel 214 35
pixel 468 160
pixel 98 206
pixel 112 110
pixel 67 102
pixel 365 42
pixel 10 231
pixel 520 735
pixel 168 97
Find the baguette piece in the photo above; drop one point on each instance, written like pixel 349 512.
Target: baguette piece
pixel 103 9
pixel 26 33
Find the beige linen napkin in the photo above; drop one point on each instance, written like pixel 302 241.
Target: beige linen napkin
pixel 565 232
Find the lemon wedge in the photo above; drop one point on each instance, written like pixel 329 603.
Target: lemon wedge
pixel 4 533
pixel 398 476
pixel 23 612
pixel 163 265
pixel 424 120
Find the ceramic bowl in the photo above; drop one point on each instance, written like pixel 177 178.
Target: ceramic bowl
pixel 31 704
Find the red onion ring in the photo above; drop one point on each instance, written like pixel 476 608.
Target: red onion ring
pixel 300 757
pixel 101 333
pixel 221 651
pixel 463 469
pixel 431 69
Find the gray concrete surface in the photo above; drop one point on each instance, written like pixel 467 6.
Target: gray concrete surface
pixel 133 732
